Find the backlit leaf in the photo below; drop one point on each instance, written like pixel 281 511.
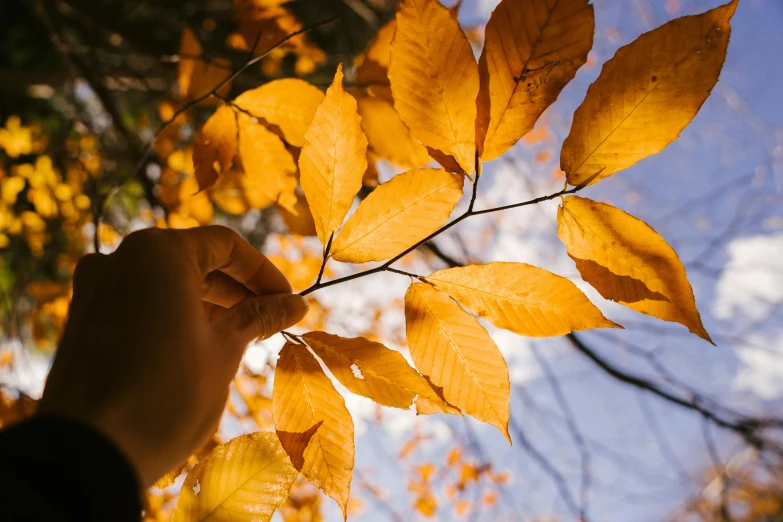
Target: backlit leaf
pixel 245 479
pixel 333 159
pixel 374 371
pixel 450 347
pixel 215 145
pixel 646 95
pixel 628 262
pixel 397 215
pixel 522 298
pixel 373 66
pixel 288 104
pixel 435 80
pixel 388 135
pixel 301 222
pixel 269 167
pixel 302 397
pixel 532 49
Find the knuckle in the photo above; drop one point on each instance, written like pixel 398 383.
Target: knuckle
pixel 264 318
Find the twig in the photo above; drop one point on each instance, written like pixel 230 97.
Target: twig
pixel 468 213
pixel 325 259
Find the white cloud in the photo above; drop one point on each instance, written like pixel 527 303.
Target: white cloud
pixel 762 368
pixel 751 284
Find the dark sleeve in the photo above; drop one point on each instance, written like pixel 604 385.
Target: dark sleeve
pixel 54 469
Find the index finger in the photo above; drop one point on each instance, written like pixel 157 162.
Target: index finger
pixel 220 248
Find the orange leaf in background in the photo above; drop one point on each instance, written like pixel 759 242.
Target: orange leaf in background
pixel 195 77
pixel 522 298
pixel 397 215
pixel 646 95
pixel 302 397
pixel 456 352
pixel 435 80
pixel 288 105
pixel 374 371
pixel 301 222
pixel 373 66
pixel 627 261
pixel 215 144
pixel 333 159
pixel 532 49
pixel 388 135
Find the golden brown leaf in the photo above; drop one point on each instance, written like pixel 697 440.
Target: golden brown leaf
pixel 522 298
pixel 646 95
pixel 288 105
pixel 435 80
pixel 215 144
pixel 333 159
pixel 373 66
pixel 388 135
pixel 532 49
pixel 244 479
pixel 450 347
pixel 301 222
pixel 269 168
pixel 374 371
pixel 236 192
pixel 397 215
pixel 628 262
pixel 303 396
pixel 196 77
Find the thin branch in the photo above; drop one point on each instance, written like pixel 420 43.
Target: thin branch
pixel 325 259
pixel 576 435
pixel 468 213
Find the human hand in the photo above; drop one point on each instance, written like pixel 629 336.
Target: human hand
pixel 155 334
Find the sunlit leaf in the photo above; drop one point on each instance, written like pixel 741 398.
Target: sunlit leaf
pixel 333 159
pixel 397 215
pixel 245 479
pixel 288 105
pixel 301 222
pixel 450 346
pixel 522 298
pixel 373 66
pixel 196 77
pixel 374 371
pixel 628 262
pixel 646 95
pixel 435 80
pixel 532 49
pixel 302 397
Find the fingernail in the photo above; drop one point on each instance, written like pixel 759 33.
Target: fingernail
pixel 294 305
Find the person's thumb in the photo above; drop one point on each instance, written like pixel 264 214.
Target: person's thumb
pixel 263 316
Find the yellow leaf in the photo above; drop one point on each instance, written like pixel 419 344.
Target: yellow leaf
pixel 373 66
pixel 646 95
pixel 245 479
pixel 435 80
pixel 269 167
pixel 303 396
pixel 532 49
pixel 522 298
pixel 628 262
pixel 372 370
pixel 289 104
pixel 388 135
pixel 397 215
pixel 333 159
pixel 215 144
pixel 450 346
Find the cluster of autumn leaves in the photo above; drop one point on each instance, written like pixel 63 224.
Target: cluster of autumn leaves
pixel 461 112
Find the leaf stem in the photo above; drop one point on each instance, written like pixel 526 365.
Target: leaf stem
pixel 326 258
